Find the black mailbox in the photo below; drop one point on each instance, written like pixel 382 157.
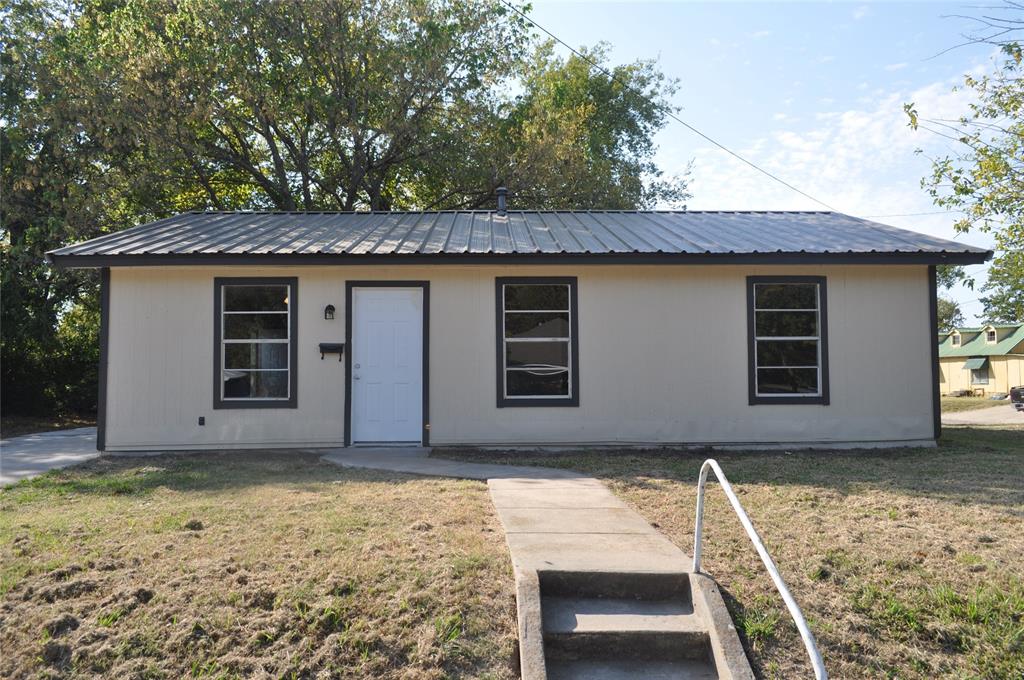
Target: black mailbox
pixel 332 348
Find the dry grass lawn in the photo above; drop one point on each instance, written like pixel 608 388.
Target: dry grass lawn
pixel 960 404
pixel 907 563
pixel 251 565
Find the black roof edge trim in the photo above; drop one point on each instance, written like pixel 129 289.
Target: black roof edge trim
pixel 170 260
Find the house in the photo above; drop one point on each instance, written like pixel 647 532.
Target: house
pixel 984 360
pixel 524 328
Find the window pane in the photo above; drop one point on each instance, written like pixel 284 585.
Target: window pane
pixel 255 298
pixel 530 296
pixel 255 326
pixel 787 380
pixel 786 295
pixel 255 385
pixel 791 324
pixel 256 355
pixel 529 384
pixel 549 325
pixel 537 354
pixel 787 353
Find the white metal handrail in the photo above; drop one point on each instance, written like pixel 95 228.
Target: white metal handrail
pixel 794 609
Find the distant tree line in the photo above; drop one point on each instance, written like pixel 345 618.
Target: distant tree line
pixel 116 113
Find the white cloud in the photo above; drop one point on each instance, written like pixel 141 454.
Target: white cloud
pixel 714 42
pixel 895 67
pixel 760 34
pixel 826 58
pixel 861 12
pixel 861 161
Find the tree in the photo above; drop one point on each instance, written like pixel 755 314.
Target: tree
pixel 947 275
pixel 118 112
pixel 575 138
pixel 950 316
pixel 54 190
pixel 984 179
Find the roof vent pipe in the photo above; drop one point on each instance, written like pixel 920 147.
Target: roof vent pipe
pixel 502 193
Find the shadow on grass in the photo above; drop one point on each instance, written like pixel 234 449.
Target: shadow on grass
pixel 970 465
pixel 124 475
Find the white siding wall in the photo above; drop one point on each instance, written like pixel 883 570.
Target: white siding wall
pixel 663 359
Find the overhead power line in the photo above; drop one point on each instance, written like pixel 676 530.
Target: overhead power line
pixel 917 214
pixel 670 114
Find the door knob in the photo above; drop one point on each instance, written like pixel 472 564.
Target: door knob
pixel 355 377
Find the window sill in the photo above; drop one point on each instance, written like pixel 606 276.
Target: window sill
pixel 812 401
pixel 504 402
pixel 256 403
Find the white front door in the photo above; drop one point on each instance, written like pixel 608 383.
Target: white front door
pixel 387 365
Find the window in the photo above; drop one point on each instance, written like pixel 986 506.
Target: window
pixel 787 340
pixel 990 336
pixel 255 350
pixel 979 376
pixel 537 342
pixel 956 339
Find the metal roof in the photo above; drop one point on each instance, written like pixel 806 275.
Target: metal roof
pixel 979 346
pixel 479 235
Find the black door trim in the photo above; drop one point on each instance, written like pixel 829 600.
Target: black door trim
pixel 425 286
pixel 933 323
pixel 101 397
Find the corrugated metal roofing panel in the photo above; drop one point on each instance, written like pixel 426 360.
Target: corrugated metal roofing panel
pixel 979 346
pixel 514 233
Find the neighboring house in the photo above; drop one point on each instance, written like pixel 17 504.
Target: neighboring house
pixel 988 359
pixel 516 328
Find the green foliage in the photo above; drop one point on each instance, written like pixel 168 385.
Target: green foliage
pixel 984 179
pixel 119 112
pixel 947 276
pixel 949 315
pixel 1005 286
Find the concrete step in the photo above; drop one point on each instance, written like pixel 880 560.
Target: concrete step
pixel 631 670
pixel 628 645
pixel 631 585
pixel 606 625
pixel 598 614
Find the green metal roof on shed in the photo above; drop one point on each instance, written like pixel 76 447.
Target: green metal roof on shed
pixel 643 237
pixel 978 346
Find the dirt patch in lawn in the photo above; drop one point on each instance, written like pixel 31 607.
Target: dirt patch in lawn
pixel 907 563
pixel 251 565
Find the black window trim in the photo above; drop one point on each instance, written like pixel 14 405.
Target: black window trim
pixel 293 345
pixel 574 342
pixel 752 395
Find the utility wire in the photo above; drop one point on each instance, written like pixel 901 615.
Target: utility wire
pixel 668 113
pixel 933 212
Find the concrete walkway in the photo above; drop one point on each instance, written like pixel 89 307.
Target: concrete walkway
pixel 999 414
pixel 553 519
pixel 34 454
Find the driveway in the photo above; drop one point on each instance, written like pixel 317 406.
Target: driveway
pixel 1003 414
pixel 34 454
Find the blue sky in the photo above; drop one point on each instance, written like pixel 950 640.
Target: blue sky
pixel 813 92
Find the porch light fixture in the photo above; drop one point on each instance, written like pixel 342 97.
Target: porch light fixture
pixel 329 312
